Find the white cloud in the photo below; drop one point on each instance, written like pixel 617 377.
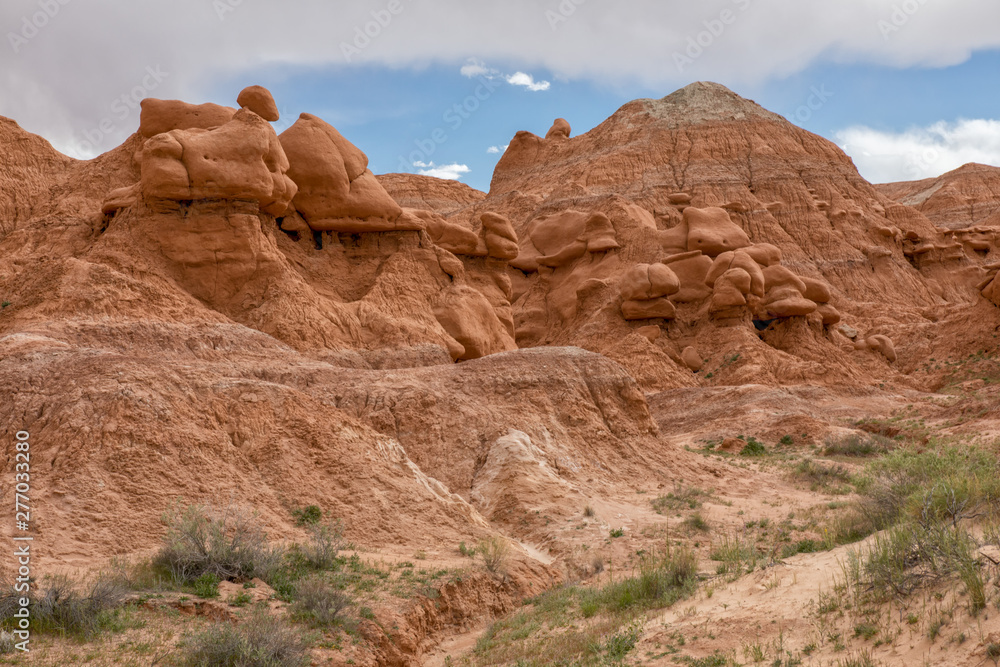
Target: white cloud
pixel 474 68
pixel 451 172
pixel 921 152
pixel 528 81
pixel 496 150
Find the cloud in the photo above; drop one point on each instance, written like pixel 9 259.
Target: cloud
pixel 528 81
pixel 47 72
pixel 477 68
pixel 450 172
pixel 921 152
pixel 497 150
pixel 474 68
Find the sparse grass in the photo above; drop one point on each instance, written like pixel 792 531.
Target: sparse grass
pixel 588 511
pixel 833 478
pixel 736 554
pixel 260 640
pixel 863 659
pixel 466 551
pixel 680 498
pixel 663 577
pixel 617 532
pixel 696 522
pixel 588 626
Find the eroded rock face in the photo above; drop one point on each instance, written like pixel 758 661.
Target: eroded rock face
pixel 336 190
pixel 159 116
pixel 241 159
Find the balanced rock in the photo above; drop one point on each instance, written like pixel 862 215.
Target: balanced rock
pixel 737 260
pixel 560 129
pixel 259 100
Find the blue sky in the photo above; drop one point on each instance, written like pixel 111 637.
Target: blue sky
pixel 907 87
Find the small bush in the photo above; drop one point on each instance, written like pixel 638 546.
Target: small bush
pixel 206 586
pixel 7 641
pixel 696 522
pixel 308 515
pixel 588 511
pixel 617 532
pixel 466 551
pixel 680 498
pixel 324 545
pixel 754 447
pixel 318 601
pixel 230 544
pixel 822 476
pixel 495 551
pixel 855 445
pixel 62 607
pixel 787 440
pixel 261 640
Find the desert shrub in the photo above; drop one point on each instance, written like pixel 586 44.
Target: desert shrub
pixel 229 543
pixel 260 640
pixel 495 552
pixel 681 497
pixel 323 548
pixel 206 586
pixel 857 445
pixel 754 447
pixel 7 641
pixel 663 577
pixel 822 476
pixel 696 522
pixel 308 515
pixel 81 610
pixel 318 601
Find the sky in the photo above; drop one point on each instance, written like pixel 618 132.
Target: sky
pixel 908 88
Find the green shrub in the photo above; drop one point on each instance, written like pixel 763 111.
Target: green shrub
pixel 617 532
pixel 206 586
pixel 308 515
pixel 260 640
pixel 754 447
